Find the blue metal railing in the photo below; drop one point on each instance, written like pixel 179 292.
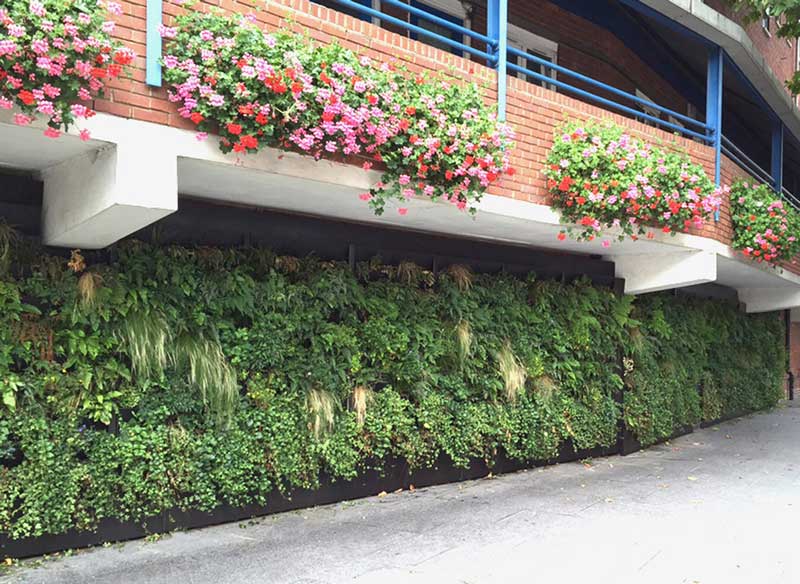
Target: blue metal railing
pixel 757 172
pixel 702 134
pixel 790 198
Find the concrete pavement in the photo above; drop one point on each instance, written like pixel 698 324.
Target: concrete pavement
pixel 721 505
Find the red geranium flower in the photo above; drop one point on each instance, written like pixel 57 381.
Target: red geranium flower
pixel 26 97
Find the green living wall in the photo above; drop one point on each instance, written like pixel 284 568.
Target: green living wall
pixel 197 377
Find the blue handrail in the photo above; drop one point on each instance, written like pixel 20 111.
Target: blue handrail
pixel 790 198
pixel 734 152
pixel 745 162
pixel 612 104
pixel 604 87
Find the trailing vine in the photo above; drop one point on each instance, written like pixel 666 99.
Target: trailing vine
pixel 430 137
pixel 602 178
pixel 765 228
pixel 56 56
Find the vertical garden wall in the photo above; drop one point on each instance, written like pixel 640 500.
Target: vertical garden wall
pixel 168 378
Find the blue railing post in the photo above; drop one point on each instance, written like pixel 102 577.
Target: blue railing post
pixel 777 156
pixel 497 31
pixel 153 43
pixel 714 109
pixel 714 106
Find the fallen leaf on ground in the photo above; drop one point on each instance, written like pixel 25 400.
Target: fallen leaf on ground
pixel 692 478
pixel 382 494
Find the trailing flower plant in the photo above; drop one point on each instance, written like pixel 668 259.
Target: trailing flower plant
pixel 56 56
pixel 764 227
pixel 430 138
pixel 600 178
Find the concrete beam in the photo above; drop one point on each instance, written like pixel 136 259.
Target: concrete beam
pixel 99 197
pixel 645 273
pixel 770 299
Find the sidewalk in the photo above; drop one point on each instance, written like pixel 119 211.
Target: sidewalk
pixel 721 505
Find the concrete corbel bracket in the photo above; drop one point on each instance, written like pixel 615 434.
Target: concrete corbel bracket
pixel 770 299
pixel 645 273
pixel 101 196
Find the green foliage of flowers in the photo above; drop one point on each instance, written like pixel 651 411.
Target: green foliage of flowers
pixel 431 137
pixel 56 56
pixel 765 228
pixel 600 178
pixel 337 371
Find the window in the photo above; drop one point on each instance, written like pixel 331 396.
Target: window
pixel 797 63
pixel 650 111
pixel 450 10
pixel 797 54
pixel 334 5
pixel 528 42
pixel 766 22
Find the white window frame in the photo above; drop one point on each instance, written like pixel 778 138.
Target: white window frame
pixel 797 64
pixel 526 41
pixel 766 22
pixel 797 54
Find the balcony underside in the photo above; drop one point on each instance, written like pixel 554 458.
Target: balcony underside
pixel 98 192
